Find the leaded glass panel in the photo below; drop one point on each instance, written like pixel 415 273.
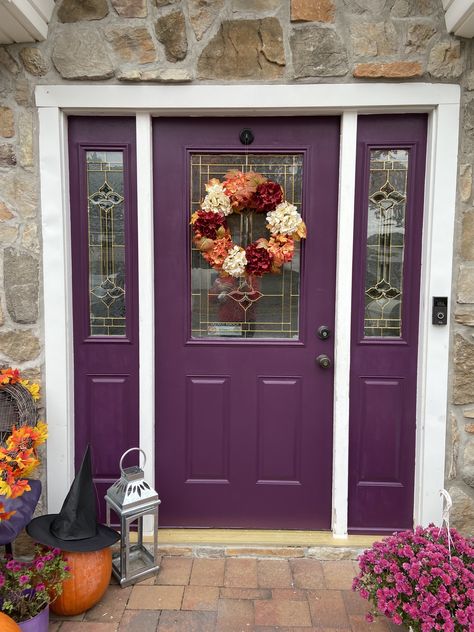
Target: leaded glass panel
pixel 106 233
pixel 248 307
pixel 385 242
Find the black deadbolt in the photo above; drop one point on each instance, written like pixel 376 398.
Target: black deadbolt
pixel 324 332
pixel 246 136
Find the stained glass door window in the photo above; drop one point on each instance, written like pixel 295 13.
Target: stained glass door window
pixel 385 242
pixel 247 307
pixel 106 232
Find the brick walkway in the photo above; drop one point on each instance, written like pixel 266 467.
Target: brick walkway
pixel 233 595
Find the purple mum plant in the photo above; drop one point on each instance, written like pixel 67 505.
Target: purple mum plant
pixel 419 579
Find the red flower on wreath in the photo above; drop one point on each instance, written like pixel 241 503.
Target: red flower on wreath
pixel 208 223
pixel 268 195
pixel 259 260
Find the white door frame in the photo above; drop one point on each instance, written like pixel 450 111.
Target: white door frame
pixel 441 102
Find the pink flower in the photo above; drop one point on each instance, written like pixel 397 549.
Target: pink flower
pixel 24 579
pixel 369 617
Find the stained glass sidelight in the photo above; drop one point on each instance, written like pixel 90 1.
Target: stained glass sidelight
pixel 247 307
pixel 106 232
pixel 385 242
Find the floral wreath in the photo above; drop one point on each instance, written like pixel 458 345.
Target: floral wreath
pixel 250 192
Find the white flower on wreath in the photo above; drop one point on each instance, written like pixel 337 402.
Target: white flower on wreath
pixel 235 262
pixel 216 200
pixel 284 220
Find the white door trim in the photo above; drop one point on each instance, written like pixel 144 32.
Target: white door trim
pixel 440 101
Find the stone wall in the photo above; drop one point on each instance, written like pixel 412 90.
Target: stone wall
pixel 281 41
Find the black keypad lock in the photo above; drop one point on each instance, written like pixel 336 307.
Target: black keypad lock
pixel 440 310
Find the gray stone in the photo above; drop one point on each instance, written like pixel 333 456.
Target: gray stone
pixel 25 134
pixel 465 182
pixel 81 54
pixel 469 80
pixel 468 127
pixel 21 279
pixel 202 14
pixel 7 122
pixel 33 61
pixel 255 6
pixel 370 39
pixel 132 44
pixel 445 60
pixel 453 448
pixel 8 62
pixel 74 11
pixel 465 318
pixel 467 248
pixel 20 191
pixel 376 7
pixel 130 8
pixel 463 388
pixel 244 49
pixel 30 239
pixel 171 32
pixel 467 470
pixel 164 3
pixel 23 92
pixel 334 553
pixel 318 52
pixel 168 75
pixel 8 233
pixel 466 285
pixel 412 8
pixel 7 155
pixel 19 346
pixel 462 513
pixel 419 37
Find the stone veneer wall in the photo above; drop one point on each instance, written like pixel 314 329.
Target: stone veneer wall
pixel 281 41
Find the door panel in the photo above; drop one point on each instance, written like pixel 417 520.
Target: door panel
pixel 105 296
pixel 244 414
pixel 386 296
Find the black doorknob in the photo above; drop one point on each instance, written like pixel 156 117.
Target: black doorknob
pixel 324 332
pixel 323 361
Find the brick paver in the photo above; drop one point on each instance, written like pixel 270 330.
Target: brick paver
pixel 327 609
pixel 200 598
pixel 240 573
pixel 307 573
pixel 280 612
pixel 233 595
pixel 156 598
pixel 174 571
pixel 208 572
pixel 234 615
pixel 274 574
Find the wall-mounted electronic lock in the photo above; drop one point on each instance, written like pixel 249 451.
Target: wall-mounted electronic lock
pixel 440 310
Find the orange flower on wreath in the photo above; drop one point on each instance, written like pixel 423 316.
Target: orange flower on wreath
pixel 281 248
pixel 241 187
pixel 219 251
pixel 27 437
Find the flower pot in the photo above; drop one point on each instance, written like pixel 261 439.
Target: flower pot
pixel 39 623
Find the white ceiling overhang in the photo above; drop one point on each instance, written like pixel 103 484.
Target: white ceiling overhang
pixel 460 17
pixel 24 20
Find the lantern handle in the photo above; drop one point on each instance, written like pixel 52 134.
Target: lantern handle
pixel 127 452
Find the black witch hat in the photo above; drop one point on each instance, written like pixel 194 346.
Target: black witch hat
pixel 75 528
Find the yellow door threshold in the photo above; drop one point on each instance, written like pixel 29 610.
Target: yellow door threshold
pixel 270 537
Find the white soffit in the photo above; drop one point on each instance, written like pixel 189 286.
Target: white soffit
pixel 24 20
pixel 460 17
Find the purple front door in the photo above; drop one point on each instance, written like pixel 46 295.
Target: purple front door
pixel 243 408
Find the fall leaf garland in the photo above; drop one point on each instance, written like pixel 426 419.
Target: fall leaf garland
pixel 253 192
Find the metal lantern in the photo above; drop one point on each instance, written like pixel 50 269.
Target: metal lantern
pixel 132 498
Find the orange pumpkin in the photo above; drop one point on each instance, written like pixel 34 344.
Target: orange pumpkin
pixel 90 576
pixel 7 624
